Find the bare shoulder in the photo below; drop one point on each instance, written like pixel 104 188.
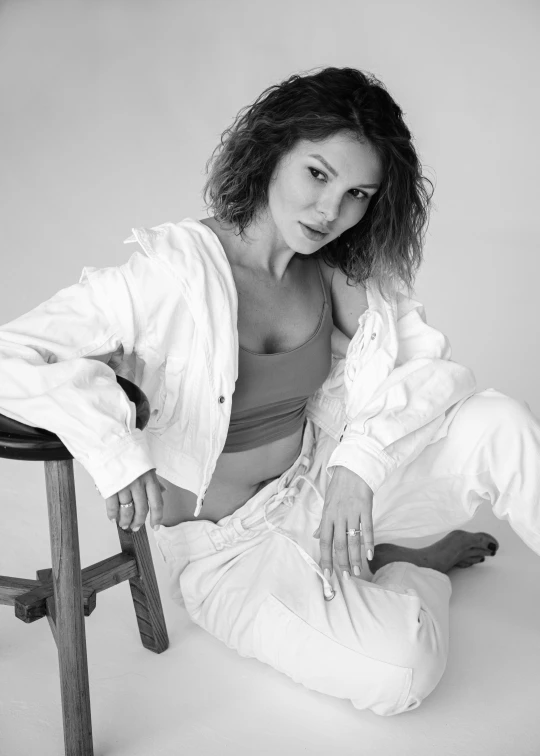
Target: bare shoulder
pixel 348 301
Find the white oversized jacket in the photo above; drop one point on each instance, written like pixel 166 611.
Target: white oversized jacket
pixel 167 320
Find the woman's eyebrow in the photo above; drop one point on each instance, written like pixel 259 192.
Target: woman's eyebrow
pixel 335 173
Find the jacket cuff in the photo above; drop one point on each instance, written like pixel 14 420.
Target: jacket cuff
pixel 130 459
pixel 361 455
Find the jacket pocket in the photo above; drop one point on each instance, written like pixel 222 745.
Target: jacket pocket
pixel 168 396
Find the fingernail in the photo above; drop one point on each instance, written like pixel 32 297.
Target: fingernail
pixel 112 519
pixel 124 527
pixel 346 575
pixel 327 573
pixel 156 527
pixel 369 554
pixel 329 596
pixel 356 570
pixel 136 529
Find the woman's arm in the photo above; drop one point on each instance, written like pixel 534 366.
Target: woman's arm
pixel 348 302
pixel 396 401
pixel 409 406
pixel 47 380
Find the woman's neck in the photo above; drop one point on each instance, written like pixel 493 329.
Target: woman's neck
pixel 262 250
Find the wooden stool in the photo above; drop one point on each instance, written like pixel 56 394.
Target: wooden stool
pixel 65 594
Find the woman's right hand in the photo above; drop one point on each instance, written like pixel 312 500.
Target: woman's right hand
pixel 145 494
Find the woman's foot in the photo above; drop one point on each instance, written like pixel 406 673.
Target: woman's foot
pixel 458 549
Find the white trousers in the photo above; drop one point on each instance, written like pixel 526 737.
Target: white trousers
pixel 252 579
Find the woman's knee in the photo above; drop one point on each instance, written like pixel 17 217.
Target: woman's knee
pixel 491 409
pixel 427 663
pixel 427 673
pixel 422 648
pixel 420 674
pixel 412 655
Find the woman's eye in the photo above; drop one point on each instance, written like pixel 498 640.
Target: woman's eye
pixel 360 195
pixel 314 170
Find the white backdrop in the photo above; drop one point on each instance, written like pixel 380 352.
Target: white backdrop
pixel 109 110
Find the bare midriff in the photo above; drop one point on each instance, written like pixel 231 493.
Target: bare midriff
pixel 237 477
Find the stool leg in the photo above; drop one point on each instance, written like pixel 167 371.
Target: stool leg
pixel 145 591
pixel 67 581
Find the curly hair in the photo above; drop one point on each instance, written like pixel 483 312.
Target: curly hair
pixel 386 244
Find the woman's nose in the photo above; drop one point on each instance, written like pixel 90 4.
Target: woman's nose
pixel 329 208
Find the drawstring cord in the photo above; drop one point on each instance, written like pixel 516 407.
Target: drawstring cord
pixel 329 592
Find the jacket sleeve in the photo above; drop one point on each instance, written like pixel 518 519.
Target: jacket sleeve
pixel 53 375
pixel 408 408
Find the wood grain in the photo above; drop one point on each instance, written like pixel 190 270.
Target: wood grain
pixel 12 587
pixel 145 591
pixel 68 602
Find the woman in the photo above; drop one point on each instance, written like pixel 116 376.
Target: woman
pixel 301 405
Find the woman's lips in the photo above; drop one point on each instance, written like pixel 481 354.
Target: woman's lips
pixel 310 233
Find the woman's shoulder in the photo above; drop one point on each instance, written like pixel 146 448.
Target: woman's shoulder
pixel 348 301
pixel 180 248
pixel 327 271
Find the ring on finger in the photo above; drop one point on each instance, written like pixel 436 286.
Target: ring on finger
pixel 352 532
pixel 128 504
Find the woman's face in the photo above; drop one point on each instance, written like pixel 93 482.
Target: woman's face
pixel 325 185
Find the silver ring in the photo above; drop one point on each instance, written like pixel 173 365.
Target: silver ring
pixel 353 532
pixel 130 504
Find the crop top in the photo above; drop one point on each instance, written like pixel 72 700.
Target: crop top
pixel 272 390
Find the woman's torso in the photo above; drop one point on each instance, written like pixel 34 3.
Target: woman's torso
pixel 272 317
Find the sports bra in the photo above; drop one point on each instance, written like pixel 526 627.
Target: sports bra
pixel 272 390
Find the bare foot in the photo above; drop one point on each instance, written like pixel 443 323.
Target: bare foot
pixel 457 549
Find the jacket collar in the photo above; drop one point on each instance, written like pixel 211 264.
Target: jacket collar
pixel 193 254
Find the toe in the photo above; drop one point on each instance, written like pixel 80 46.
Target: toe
pixel 493 547
pixel 470 561
pixel 478 552
pixel 487 542
pixel 492 542
pixel 477 560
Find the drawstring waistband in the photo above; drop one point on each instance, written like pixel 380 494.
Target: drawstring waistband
pixel 287 493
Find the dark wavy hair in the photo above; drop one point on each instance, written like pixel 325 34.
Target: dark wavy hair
pixel 386 244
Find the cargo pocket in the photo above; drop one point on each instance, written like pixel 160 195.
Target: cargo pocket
pixel 288 643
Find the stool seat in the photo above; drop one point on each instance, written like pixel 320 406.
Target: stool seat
pixel 21 441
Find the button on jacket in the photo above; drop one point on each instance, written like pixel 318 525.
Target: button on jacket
pixel 167 320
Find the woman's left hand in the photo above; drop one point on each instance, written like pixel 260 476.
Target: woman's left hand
pixel 348 503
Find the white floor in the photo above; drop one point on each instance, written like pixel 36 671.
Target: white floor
pixel 200 698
